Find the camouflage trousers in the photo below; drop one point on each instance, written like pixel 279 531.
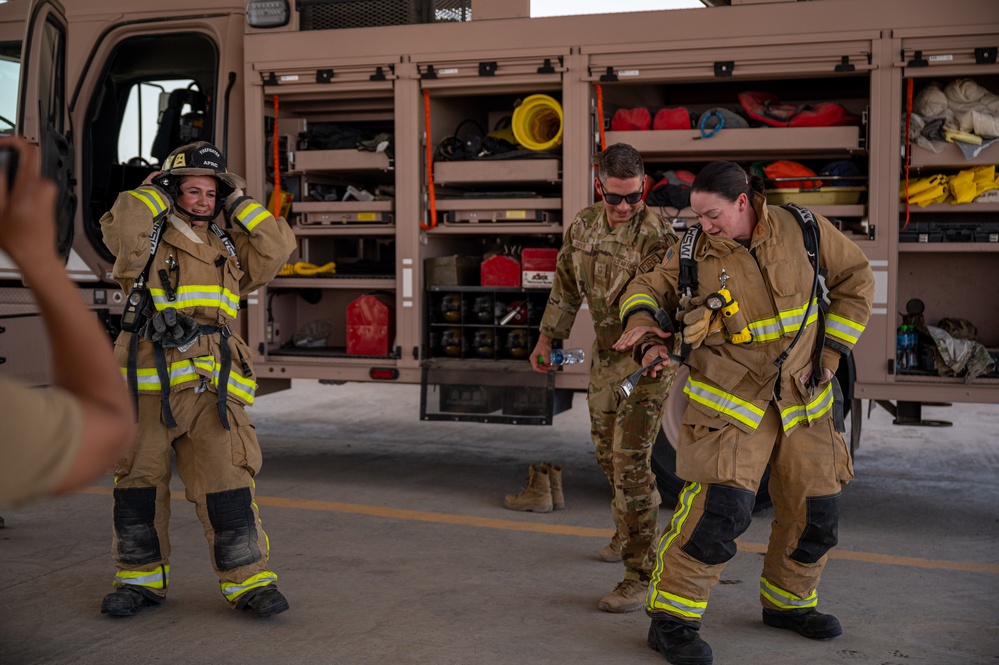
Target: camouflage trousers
pixel 623 430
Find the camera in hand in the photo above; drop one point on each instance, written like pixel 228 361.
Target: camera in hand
pixel 8 164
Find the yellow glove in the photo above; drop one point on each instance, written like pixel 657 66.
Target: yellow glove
pixel 696 326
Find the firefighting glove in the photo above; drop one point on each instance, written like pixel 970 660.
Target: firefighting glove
pixel 687 304
pixel 164 186
pixel 696 326
pixel 716 332
pixel 171 328
pixel 233 201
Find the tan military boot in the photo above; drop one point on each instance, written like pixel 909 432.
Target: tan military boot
pixel 537 496
pixel 555 475
pixel 611 552
pixel 627 596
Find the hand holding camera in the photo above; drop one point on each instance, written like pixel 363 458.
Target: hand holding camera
pixel 27 204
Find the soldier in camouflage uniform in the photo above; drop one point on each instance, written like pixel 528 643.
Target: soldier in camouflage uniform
pixel 607 244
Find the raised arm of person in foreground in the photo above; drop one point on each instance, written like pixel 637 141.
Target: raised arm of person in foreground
pixel 84 369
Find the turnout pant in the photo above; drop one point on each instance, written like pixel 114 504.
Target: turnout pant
pixel 724 465
pixel 217 467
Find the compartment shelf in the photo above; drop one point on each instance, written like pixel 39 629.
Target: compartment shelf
pixel 948 247
pixel 347 229
pixel 498 171
pixel 952 208
pixel 505 228
pixel 339 161
pixel 383 283
pixel 952 157
pixel 319 214
pixel 855 210
pixel 678 143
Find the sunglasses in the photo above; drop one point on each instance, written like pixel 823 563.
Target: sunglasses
pixel 615 199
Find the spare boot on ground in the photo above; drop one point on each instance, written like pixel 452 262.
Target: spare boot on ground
pixel 555 477
pixel 537 496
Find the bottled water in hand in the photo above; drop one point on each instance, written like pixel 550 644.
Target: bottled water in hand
pixel 567 356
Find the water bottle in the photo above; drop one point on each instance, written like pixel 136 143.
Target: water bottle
pixel 902 348
pixel 912 348
pixel 567 356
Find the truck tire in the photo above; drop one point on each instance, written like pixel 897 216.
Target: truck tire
pixel 664 449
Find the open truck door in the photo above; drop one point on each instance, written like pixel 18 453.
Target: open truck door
pixel 141 87
pixel 42 111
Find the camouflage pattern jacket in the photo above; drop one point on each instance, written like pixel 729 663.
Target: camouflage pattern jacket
pixel 772 282
pixel 597 262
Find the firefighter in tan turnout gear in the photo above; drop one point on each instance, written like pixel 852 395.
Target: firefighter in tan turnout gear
pixel 767 399
pixel 190 374
pixel 606 246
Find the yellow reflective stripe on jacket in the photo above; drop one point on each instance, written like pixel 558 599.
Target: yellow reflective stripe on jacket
pixel 725 403
pixel 785 599
pixel 669 602
pixel 233 591
pixel 637 301
pixel 786 322
pixel 765 330
pixel 198 295
pixel 251 215
pixel 791 319
pixel 148 380
pixel 843 328
pixel 157 578
pixel 797 413
pixel 152 199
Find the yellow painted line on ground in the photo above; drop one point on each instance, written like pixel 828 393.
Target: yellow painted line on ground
pixel 567 530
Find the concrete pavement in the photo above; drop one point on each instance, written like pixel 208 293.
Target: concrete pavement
pixel 391 542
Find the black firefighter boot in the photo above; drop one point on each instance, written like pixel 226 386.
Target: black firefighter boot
pixel 263 602
pixel 808 622
pixel 126 601
pixel 680 642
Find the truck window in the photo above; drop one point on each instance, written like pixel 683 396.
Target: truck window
pixel 10 72
pixel 52 103
pixel 155 93
pixel 148 102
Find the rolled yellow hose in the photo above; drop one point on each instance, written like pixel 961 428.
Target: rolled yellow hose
pixel 537 123
pixel 306 269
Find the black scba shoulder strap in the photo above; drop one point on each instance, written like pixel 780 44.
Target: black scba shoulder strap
pixel 687 280
pixel 810 232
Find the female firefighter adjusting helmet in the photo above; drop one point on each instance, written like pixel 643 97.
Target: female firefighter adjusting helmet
pixel 199 158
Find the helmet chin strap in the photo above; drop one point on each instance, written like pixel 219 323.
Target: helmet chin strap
pixel 200 218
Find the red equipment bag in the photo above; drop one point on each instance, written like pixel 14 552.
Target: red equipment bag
pixel 631 119
pixel 674 118
pixel 764 107
pixel 788 169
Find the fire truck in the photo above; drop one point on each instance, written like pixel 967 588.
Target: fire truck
pixel 429 155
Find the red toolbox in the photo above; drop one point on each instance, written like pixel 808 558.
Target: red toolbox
pixel 538 267
pixel 370 326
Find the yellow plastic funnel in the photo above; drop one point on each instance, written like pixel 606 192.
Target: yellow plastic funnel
pixel 537 123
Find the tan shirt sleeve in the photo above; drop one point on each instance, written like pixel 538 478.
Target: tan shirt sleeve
pixel 42 433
